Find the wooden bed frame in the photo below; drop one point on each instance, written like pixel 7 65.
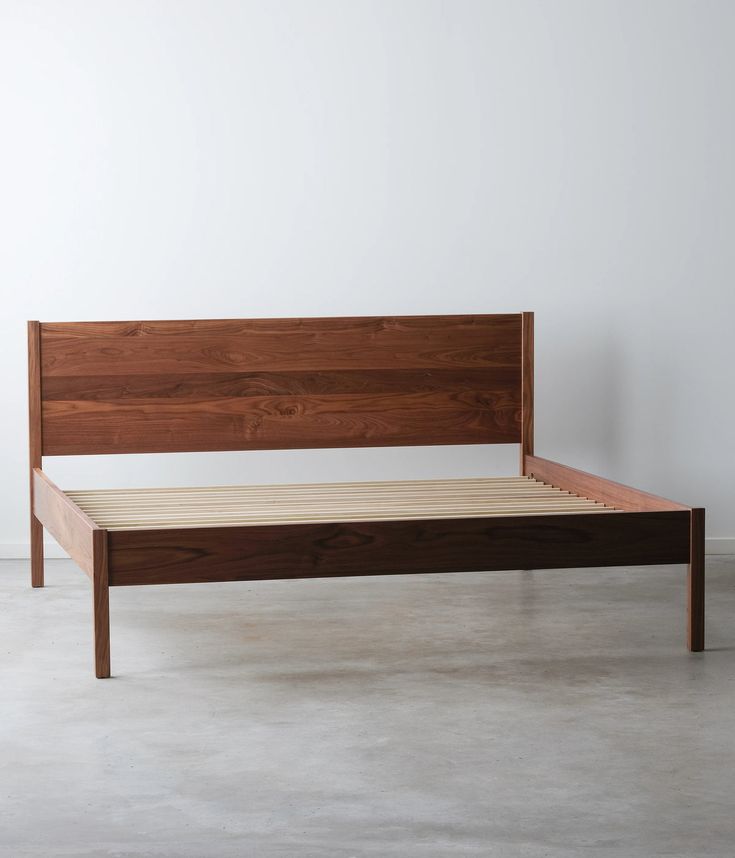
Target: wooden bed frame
pixel 264 384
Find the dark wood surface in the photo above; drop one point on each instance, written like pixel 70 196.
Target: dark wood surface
pixel 35 444
pixel 251 345
pixel 527 348
pixel 597 488
pixel 695 583
pixel 115 387
pixel 63 519
pixel 189 555
pixel 101 605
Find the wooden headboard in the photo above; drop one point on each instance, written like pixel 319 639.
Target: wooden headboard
pixel 262 384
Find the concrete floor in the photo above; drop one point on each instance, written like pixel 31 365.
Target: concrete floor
pixel 498 714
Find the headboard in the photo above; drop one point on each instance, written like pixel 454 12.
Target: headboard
pixel 262 384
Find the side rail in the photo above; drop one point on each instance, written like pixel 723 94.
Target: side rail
pixel 597 488
pixel 64 520
pixel 633 500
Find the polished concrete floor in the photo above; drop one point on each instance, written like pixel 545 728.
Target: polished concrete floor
pixel 509 714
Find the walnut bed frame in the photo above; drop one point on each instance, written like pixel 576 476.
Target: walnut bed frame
pixel 264 384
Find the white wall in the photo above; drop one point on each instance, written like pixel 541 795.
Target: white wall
pixel 215 159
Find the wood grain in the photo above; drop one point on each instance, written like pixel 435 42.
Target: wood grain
pixel 279 423
pixel 597 488
pixel 527 349
pixel 695 583
pixel 280 384
pixel 251 345
pixel 140 389
pixel 395 547
pixel 64 520
pixel 347 326
pixel 101 606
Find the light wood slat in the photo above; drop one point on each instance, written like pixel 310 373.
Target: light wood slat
pixel 198 523
pixel 304 500
pixel 335 513
pixel 310 493
pixel 138 509
pixel 344 504
pixel 303 497
pixel 363 485
pixel 332 507
pixel 340 513
pixel 509 484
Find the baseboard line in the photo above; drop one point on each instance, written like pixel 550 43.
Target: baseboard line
pixel 21 550
pixel 720 545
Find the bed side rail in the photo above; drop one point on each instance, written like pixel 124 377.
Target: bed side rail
pixel 629 499
pixel 596 488
pixel 65 521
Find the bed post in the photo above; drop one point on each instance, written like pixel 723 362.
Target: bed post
pixel 35 446
pixel 101 595
pixel 695 583
pixel 526 388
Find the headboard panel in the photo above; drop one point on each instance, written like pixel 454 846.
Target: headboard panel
pixel 258 384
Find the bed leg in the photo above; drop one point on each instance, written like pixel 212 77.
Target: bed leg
pixel 695 583
pixel 35 447
pixel 36 552
pixel 101 591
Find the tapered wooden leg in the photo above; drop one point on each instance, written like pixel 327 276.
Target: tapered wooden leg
pixel 36 552
pixel 101 590
pixel 695 583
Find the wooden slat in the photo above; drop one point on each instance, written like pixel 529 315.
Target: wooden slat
pixel 465 482
pixel 481 486
pixel 126 387
pixel 67 523
pixel 223 501
pixel 233 500
pixel 395 547
pixel 220 521
pixel 597 488
pixel 120 522
pixel 333 502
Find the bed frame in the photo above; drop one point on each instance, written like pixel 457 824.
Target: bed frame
pixel 265 384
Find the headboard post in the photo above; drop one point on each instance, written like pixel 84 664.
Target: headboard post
pixel 526 388
pixel 35 444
